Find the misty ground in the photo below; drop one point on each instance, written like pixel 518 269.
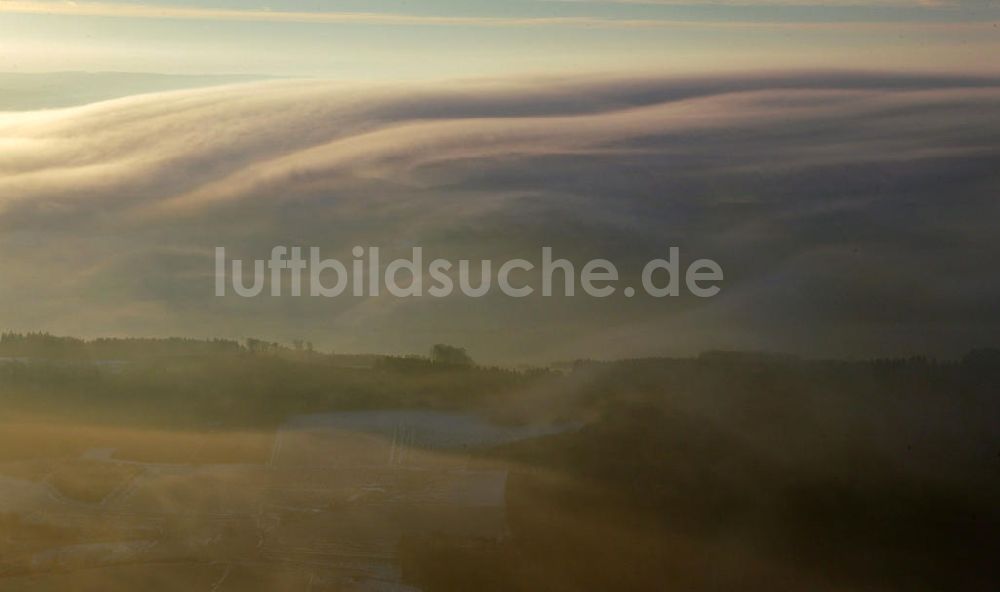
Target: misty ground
pixel 177 464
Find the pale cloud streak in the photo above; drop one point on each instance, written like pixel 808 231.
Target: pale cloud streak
pixel 782 3
pixel 152 11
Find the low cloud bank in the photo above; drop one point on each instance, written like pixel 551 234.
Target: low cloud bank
pixel 853 214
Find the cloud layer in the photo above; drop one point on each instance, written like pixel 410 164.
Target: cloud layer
pixel 166 11
pixel 852 213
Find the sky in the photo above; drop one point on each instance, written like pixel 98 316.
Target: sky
pixel 441 39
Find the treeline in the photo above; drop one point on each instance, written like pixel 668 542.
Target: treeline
pixel 39 346
pixel 44 346
pixel 762 377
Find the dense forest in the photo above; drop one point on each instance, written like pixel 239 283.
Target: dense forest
pixel 724 471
